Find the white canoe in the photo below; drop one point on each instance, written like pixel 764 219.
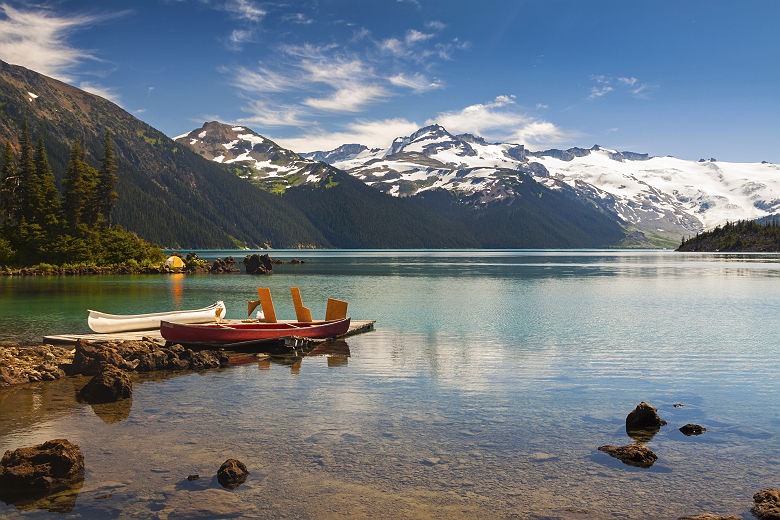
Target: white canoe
pixel 102 322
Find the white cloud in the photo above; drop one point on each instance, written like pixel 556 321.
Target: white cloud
pixel 374 134
pixel 496 120
pixel 37 39
pixel 266 114
pixel 99 90
pixel 606 84
pixel 598 91
pixel 435 25
pixel 542 106
pixel 416 82
pixel 264 80
pixel 298 18
pixel 413 36
pixel 347 98
pixel 240 36
pixel 245 10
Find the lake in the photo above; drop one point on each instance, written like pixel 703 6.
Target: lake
pixel 489 383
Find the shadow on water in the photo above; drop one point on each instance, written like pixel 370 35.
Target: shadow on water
pixel 62 501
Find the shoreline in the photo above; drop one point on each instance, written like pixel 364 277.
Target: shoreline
pixel 258 264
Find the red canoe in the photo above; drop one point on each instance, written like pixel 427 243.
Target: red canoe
pixel 221 334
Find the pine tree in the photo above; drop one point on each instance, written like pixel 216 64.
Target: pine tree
pixel 77 188
pixel 9 180
pixel 106 180
pixel 47 205
pixel 29 187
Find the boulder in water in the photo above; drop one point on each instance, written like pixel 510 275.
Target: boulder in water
pixel 46 468
pixel 643 417
pixel 631 454
pixel 232 473
pixel 108 385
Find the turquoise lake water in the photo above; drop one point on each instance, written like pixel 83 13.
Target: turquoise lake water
pixel 488 384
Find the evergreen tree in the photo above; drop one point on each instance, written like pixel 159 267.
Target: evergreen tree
pixel 9 191
pixel 105 195
pixel 47 205
pixel 29 187
pixel 77 187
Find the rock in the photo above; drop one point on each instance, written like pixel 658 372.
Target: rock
pixel 146 356
pixel 90 356
pixel 258 264
pixel 46 467
pixel 710 516
pixel 108 385
pixel 24 364
pixel 631 454
pixel 193 477
pixel 692 429
pixel 679 405
pixel 228 265
pixel 766 504
pixel 296 261
pixel 643 417
pixel 232 473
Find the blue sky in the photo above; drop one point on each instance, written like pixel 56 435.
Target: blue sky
pixel 691 79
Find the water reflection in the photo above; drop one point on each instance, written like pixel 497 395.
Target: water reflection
pixel 61 501
pixel 115 412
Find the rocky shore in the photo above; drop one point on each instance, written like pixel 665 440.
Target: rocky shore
pixel 21 364
pixel 254 264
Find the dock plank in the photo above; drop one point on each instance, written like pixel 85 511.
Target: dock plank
pixel 355 327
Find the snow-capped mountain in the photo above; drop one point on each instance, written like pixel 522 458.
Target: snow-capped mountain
pixel 253 156
pixel 659 194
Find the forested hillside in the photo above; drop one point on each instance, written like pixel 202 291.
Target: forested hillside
pixel 167 193
pixel 737 236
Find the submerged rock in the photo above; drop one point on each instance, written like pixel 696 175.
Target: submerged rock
pixel 693 429
pixel 643 417
pixel 46 467
pixel 232 473
pixel 631 454
pixel 766 504
pixel 108 385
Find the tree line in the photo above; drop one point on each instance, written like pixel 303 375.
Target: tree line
pixel 40 223
pixel 742 235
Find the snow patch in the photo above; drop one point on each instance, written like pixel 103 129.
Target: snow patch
pixel 219 158
pixel 202 134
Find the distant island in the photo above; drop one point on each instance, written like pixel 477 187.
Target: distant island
pixel 742 236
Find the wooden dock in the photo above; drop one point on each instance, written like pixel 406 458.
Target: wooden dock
pixel 292 342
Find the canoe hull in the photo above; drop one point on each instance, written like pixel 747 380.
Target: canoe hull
pixel 106 323
pixel 213 334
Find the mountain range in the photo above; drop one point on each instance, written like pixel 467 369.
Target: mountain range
pixel 656 199
pixel 174 196
pixel 227 186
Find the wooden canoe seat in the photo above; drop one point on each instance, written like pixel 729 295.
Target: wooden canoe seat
pixel 302 314
pixel 266 303
pixel 336 310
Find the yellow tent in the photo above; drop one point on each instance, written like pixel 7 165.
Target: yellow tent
pixel 174 261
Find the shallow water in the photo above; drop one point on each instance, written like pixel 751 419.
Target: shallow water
pixel 489 383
